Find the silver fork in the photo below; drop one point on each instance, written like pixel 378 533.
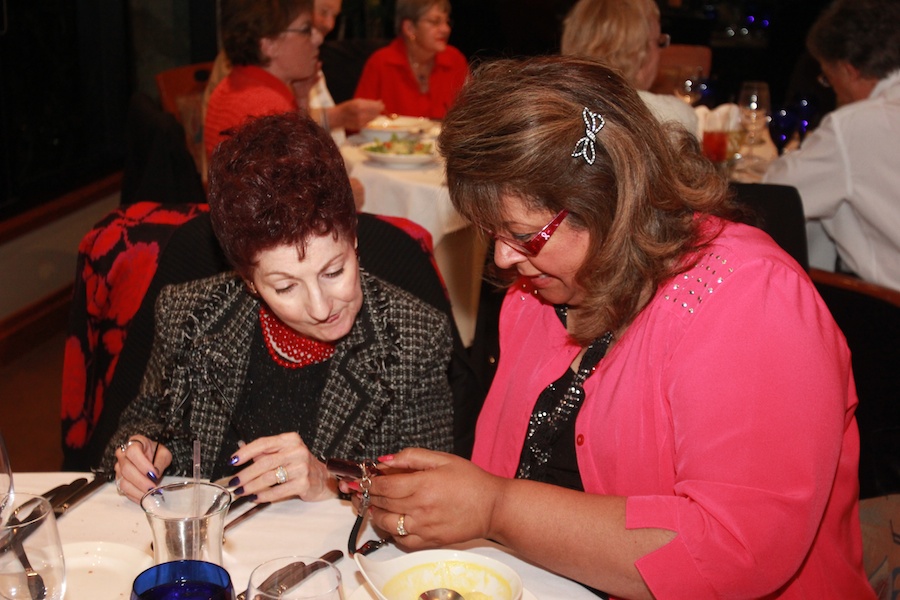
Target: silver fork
pixel 36 587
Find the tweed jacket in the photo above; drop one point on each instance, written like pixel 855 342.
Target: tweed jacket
pixel 386 386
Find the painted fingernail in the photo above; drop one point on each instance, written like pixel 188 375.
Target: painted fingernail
pixel 234 481
pixel 152 476
pixel 386 458
pixel 251 498
pixel 234 460
pixel 239 491
pixel 354 485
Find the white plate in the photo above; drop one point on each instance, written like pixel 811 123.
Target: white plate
pixel 398 160
pixel 102 569
pixel 363 593
pixel 382 127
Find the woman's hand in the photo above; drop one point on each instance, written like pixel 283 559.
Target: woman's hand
pixel 140 463
pixel 442 498
pixel 282 467
pixel 354 114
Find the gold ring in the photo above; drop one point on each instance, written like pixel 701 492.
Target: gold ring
pixel 401 530
pixel 281 475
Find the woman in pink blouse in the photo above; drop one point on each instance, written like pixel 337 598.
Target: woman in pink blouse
pixel 673 411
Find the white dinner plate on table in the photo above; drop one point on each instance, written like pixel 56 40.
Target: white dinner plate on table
pixel 400 161
pixel 102 570
pixel 383 127
pixel 363 593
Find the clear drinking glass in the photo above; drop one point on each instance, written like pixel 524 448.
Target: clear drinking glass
pixel 295 578
pixel 31 557
pixel 755 106
pixel 187 521
pixel 690 85
pixel 6 479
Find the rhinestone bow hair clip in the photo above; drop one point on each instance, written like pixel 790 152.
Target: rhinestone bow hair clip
pixel 584 147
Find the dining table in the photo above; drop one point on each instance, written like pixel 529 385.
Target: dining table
pixel 418 192
pixel 106 542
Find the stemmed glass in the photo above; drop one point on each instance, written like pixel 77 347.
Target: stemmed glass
pixel 295 578
pixel 690 85
pixel 31 558
pixel 6 479
pixel 754 104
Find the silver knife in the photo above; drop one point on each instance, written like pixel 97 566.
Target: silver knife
pixel 61 493
pixel 100 479
pixel 246 515
pixel 290 575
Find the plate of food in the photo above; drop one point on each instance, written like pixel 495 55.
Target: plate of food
pixel 400 151
pixel 94 568
pixel 383 127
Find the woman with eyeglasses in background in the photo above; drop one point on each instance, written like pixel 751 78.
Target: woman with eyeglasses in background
pixel 626 35
pixel 673 410
pixel 418 74
pixel 273 47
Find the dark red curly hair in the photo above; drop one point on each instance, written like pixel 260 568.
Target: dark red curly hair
pixel 278 180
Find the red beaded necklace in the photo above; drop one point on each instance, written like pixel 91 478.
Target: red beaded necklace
pixel 289 348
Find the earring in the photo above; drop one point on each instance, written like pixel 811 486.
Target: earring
pixel 252 289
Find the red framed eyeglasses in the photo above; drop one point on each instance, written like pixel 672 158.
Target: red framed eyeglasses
pixel 534 245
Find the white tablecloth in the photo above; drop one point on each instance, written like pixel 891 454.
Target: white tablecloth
pixel 286 528
pixel 420 195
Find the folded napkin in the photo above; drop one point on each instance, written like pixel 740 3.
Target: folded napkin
pixel 725 117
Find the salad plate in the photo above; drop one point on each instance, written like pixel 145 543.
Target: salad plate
pixel 400 153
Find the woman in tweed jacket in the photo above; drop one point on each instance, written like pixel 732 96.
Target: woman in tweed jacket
pixel 299 353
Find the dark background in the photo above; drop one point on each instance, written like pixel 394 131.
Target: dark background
pixel 69 67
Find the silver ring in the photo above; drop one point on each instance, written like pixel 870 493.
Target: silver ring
pixel 118 486
pixel 125 446
pixel 281 475
pixel 401 530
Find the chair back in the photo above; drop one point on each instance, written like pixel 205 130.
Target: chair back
pixel 181 95
pixel 111 323
pixel 674 60
pixel 778 211
pixel 869 317
pixel 181 82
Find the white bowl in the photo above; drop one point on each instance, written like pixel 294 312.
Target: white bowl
pixel 470 574
pixel 381 128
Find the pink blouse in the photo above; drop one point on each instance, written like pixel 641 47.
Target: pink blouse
pixel 724 413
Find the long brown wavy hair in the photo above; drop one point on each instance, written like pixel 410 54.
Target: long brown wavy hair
pixel 512 132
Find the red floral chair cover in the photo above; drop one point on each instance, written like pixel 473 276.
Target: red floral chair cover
pixel 116 263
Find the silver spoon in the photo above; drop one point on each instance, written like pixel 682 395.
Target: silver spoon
pixel 441 594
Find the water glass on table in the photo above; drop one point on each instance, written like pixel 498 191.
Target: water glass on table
pixel 31 558
pixel 295 578
pixel 755 106
pixel 187 521
pixel 690 85
pixel 183 580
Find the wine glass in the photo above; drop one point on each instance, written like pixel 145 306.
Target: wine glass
pixel 295 578
pixel 183 579
pixel 690 85
pixel 31 557
pixel 754 104
pixel 6 479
